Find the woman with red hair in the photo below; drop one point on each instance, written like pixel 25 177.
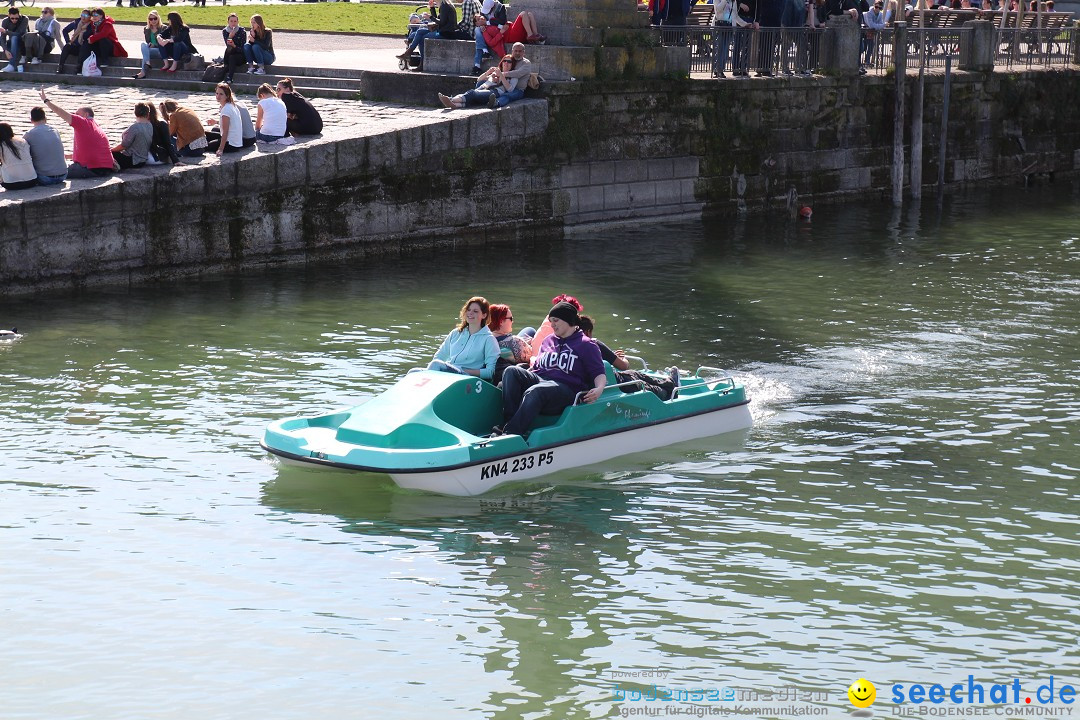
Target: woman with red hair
pixel 513 349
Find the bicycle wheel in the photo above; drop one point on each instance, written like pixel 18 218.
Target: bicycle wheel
pixel 27 3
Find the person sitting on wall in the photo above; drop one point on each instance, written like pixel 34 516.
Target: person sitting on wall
pixel 133 150
pixel 303 118
pixel 491 85
pixel 271 115
pixel 161 149
pixel 568 363
pixel 16 165
pixel 90 153
pixel 522 69
pixel 185 129
pixel 46 149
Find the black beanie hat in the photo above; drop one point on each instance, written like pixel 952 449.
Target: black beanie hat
pixel 565 312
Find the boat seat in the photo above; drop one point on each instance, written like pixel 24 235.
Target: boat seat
pixel 609 373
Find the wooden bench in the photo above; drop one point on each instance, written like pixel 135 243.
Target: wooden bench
pixel 700 16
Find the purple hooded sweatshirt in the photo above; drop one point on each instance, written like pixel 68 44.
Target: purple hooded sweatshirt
pixel 574 362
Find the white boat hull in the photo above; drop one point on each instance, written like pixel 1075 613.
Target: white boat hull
pixel 483 477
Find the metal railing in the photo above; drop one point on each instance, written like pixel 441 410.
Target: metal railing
pixel 1033 47
pixel 720 51
pixel 724 50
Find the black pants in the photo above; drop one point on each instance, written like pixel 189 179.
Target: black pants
pixel 661 387
pixel 234 58
pixel 213 142
pixel 124 161
pixel 103 48
pixel 66 52
pixel 22 185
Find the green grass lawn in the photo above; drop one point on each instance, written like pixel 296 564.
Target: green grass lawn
pixel 324 17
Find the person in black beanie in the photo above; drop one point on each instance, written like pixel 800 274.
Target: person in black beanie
pixel 568 363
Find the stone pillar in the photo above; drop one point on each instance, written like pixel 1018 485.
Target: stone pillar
pixel 840 46
pixel 1076 45
pixel 977 46
pixel 599 38
pixel 583 22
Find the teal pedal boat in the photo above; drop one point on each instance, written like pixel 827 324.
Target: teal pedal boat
pixel 428 431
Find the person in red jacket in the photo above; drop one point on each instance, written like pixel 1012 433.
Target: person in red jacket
pixel 102 41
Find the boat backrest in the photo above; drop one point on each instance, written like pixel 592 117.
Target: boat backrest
pixel 426 409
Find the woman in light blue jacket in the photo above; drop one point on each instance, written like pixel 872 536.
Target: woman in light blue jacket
pixel 470 348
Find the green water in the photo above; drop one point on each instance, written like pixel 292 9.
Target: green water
pixel 904 509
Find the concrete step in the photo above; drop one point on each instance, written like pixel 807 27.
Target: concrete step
pixel 186 81
pixel 115 75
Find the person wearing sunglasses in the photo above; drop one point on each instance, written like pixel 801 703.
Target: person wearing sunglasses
pixel 12 31
pixel 75 34
pixel 46 33
pixel 491 84
pixel 102 40
pixel 150 48
pixel 513 349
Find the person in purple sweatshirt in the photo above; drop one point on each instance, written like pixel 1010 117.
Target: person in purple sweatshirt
pixel 568 363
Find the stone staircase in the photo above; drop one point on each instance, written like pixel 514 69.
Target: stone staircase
pixel 342 84
pixel 337 83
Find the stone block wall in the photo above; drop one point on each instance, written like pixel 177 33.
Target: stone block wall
pixel 591 152
pixel 824 137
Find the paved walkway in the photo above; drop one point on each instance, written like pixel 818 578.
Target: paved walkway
pixel 114 112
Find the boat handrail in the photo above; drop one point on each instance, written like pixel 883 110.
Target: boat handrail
pixel 723 375
pixel 644 364
pixel 641 386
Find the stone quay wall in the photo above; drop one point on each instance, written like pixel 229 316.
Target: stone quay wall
pixel 611 150
pixel 744 144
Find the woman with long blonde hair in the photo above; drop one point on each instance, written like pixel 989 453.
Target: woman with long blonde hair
pixel 150 47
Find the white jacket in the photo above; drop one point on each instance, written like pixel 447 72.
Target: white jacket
pixel 17 169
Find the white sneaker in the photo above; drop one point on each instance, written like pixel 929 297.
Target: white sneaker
pixel 35 61
pixel 8 68
pixel 260 71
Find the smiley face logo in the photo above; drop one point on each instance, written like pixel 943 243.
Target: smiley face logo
pixel 862 693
